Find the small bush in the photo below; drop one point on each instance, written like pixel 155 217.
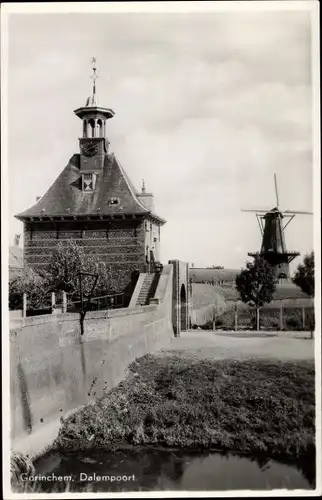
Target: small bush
pixel 207 326
pixel 293 323
pixel 34 286
pixel 270 323
pixel 292 319
pixel 310 320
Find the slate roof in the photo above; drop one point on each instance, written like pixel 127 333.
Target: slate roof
pixel 66 198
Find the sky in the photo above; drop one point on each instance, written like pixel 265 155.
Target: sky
pixel 207 107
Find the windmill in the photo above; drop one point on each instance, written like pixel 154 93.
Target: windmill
pixel 272 227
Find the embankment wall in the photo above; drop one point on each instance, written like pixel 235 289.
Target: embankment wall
pixel 55 371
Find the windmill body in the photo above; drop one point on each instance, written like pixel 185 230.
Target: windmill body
pixel 273 248
pixel 272 225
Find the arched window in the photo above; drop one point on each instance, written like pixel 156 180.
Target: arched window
pixel 183 308
pixel 89 129
pixel 100 128
pixel 97 128
pixel 85 128
pixel 92 128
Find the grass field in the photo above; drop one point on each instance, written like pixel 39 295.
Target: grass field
pixel 227 290
pixel 252 406
pixel 224 297
pixel 202 294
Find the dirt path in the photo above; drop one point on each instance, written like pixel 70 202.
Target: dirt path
pixel 242 345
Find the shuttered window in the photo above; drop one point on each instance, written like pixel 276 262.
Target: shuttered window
pixel 89 182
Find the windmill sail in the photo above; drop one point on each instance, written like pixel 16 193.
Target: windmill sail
pixel 276 191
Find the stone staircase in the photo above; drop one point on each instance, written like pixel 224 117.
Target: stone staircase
pixel 146 290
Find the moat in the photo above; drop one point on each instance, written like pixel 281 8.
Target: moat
pixel 148 469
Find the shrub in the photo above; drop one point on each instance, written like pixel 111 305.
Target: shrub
pixel 208 325
pixel 304 276
pixel 270 322
pixel 34 286
pixel 293 321
pixel 310 320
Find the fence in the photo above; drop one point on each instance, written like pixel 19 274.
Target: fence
pixel 270 318
pixel 111 301
pixel 60 303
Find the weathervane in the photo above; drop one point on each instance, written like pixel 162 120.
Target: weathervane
pixel 94 76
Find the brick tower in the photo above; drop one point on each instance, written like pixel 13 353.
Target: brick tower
pixel 93 202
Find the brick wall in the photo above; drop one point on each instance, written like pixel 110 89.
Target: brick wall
pixel 120 245
pixel 152 239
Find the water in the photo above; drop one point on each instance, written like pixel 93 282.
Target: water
pixel 145 469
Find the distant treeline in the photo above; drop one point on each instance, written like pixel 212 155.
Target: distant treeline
pixel 213 276
pixel 212 281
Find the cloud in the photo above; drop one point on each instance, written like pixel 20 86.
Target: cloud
pixel 208 107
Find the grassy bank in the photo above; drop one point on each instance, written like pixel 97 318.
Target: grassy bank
pixel 250 406
pixel 202 293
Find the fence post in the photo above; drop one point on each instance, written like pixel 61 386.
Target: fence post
pixel 236 318
pixel 53 302
pixel 303 317
pixel 281 317
pixel 214 323
pixel 24 305
pixel 64 302
pixel 257 319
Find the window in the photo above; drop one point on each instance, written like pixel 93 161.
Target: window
pixel 89 182
pixel 114 201
pixel 91 124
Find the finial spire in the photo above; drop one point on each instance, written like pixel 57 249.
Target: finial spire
pixel 94 76
pixel 143 186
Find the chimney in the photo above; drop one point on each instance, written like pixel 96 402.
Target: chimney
pixel 17 239
pixel 38 198
pixel 146 198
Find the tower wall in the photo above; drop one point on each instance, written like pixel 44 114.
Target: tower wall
pixel 152 239
pixel 120 245
pixel 273 237
pixel 278 261
pixel 282 270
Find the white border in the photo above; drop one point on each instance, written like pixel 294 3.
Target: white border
pixel 159 6
pixel 165 7
pixel 316 142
